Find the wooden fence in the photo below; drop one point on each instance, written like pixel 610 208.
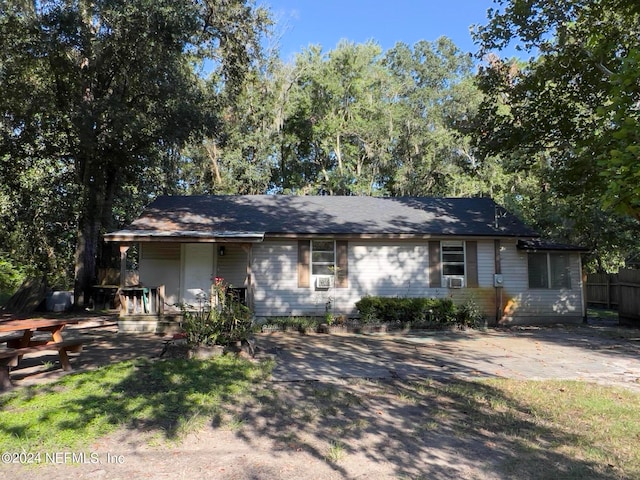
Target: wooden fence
pixel 629 300
pixel 619 291
pixel 603 290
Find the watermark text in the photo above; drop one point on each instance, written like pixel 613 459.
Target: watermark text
pixel 61 458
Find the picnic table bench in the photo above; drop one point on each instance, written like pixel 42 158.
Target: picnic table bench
pixel 21 342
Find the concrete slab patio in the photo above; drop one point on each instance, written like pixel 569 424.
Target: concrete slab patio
pixel 596 354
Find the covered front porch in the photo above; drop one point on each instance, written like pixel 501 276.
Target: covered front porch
pixel 177 275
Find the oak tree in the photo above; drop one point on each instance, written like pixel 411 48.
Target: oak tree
pixel 100 92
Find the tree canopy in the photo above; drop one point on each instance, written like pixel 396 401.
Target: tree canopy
pixel 569 115
pixel 109 103
pixel 577 101
pixel 99 93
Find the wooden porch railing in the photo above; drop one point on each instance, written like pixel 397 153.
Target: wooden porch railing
pixel 142 300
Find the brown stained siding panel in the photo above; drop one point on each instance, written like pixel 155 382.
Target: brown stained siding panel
pixel 342 254
pixel 304 263
pixel 472 264
pixel 435 269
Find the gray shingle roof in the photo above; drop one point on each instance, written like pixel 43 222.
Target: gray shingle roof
pixel 256 215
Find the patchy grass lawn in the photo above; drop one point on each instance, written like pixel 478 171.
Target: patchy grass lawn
pixel 595 427
pixel 507 428
pixel 514 429
pixel 171 397
pixel 602 314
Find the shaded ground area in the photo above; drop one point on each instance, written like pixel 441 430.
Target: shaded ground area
pixel 600 352
pixel 102 345
pixel 597 354
pixel 368 406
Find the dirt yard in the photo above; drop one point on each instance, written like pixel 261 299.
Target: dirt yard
pixel 362 425
pixel 309 430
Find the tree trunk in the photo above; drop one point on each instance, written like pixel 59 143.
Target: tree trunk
pixel 85 258
pixel 338 152
pixel 97 200
pixel 212 152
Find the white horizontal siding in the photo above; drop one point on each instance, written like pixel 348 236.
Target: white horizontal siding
pixel 154 273
pixel 486 264
pixel 160 265
pixel 522 304
pixel 388 270
pixel 275 280
pixel 375 268
pixel 232 266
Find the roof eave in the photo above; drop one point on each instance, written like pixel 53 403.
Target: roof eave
pixel 396 235
pixel 128 236
pixel 542 246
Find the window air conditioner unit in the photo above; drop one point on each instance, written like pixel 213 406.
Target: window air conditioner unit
pixel 455 282
pixel 324 281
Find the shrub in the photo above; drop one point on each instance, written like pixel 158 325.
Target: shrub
pixel 199 326
pixel 300 324
pixel 469 314
pixel 393 309
pixel 369 308
pixel 235 323
pixel 11 277
pixel 225 323
pixel 416 311
pixel 443 311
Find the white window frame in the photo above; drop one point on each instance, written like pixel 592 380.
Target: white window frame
pixel 550 285
pixel 446 277
pixel 313 263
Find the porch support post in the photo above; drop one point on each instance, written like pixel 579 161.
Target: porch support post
pixel 248 248
pixel 123 264
pixel 583 288
pixel 498 270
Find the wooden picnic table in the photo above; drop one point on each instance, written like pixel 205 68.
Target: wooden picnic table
pixel 21 341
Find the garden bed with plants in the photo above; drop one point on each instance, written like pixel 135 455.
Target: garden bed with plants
pixel 388 314
pixel 220 321
pixel 218 324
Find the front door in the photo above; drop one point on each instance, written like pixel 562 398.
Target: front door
pixel 197 271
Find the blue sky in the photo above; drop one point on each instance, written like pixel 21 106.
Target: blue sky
pixel 326 22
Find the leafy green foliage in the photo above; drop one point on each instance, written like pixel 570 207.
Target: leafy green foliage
pixel 97 99
pixel 568 117
pixel 217 322
pixel 199 326
pixel 105 105
pixel 469 314
pixel 11 277
pixel 359 121
pixel 434 95
pixel 300 324
pixel 419 312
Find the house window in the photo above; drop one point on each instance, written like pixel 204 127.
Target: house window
pixel 549 270
pixel 453 262
pixel 323 257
